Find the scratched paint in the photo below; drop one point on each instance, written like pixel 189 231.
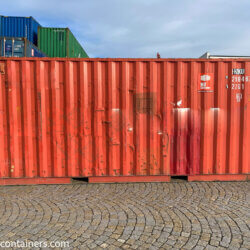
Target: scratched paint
pixel 123 117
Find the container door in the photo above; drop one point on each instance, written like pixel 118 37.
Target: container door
pixel 8 48
pixel 19 50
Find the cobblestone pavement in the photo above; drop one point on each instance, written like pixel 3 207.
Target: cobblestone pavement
pixel 176 215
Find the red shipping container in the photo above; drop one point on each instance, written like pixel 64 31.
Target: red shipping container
pixel 117 120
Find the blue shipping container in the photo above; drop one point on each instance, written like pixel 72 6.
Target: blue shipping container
pixel 18 47
pixel 11 26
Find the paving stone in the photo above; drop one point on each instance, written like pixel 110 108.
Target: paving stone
pixel 176 215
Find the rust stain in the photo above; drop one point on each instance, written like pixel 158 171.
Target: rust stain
pixel 2 68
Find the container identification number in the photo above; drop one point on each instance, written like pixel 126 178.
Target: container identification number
pixel 238 86
pixel 240 78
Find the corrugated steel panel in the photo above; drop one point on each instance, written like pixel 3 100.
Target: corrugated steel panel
pixel 18 47
pixel 124 117
pixel 27 27
pixel 75 49
pixel 59 42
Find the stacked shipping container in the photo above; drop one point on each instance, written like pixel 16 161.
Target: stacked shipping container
pixel 18 37
pixel 18 47
pixel 59 42
pixel 53 42
pixel 26 27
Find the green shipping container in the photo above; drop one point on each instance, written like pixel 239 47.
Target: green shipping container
pixel 59 42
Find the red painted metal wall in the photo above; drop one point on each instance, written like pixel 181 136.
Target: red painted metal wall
pixel 122 117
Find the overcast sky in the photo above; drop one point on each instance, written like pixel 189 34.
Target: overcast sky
pixel 141 28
